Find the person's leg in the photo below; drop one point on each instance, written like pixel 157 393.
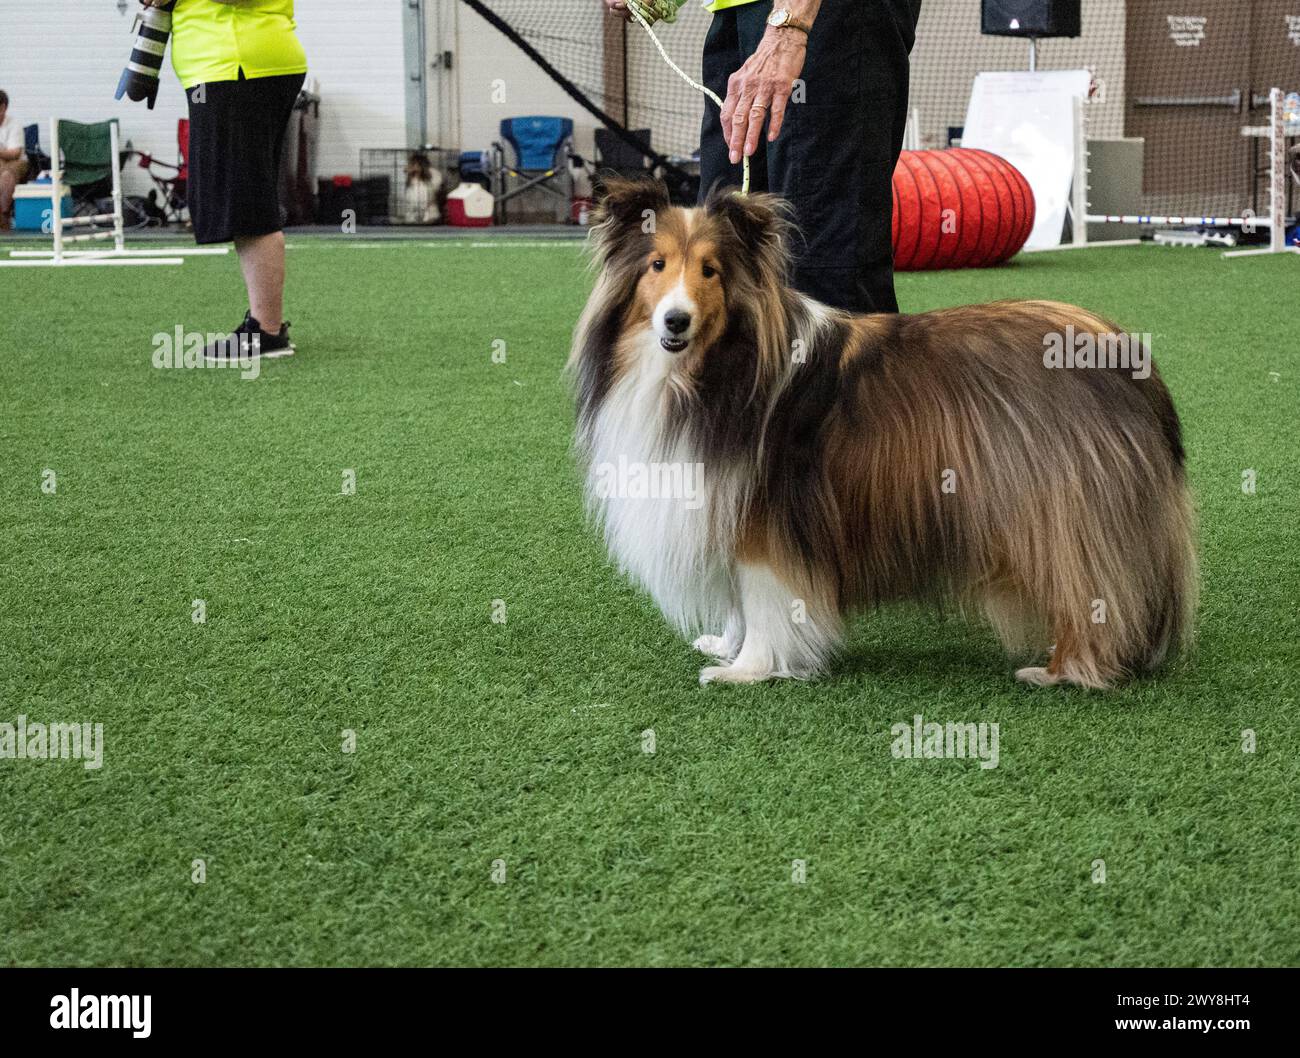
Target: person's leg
pixel 261 259
pixel 10 174
pixel 236 134
pixel 723 56
pixel 213 142
pixel 835 159
pixel 888 80
pixel 7 185
pixel 266 104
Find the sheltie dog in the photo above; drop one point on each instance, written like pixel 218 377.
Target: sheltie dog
pixel 841 461
pixel 420 198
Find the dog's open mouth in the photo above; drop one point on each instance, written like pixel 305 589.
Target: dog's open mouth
pixel 674 345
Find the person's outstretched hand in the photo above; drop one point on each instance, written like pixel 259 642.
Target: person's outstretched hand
pixel 618 7
pixel 760 88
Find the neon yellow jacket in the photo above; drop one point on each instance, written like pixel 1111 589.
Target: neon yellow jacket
pixel 717 5
pixel 213 41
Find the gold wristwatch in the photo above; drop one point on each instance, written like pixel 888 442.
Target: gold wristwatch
pixel 782 19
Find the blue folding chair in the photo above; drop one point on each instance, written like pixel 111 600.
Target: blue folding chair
pixel 539 148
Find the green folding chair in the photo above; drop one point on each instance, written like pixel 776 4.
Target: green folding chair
pixel 88 162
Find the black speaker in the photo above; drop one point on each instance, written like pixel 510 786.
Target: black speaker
pixel 1031 18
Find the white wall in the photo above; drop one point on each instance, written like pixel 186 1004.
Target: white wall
pixel 355 51
pixel 64 57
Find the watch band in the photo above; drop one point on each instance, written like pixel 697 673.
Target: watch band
pixel 792 23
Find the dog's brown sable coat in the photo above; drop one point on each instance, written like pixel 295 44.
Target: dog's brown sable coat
pixel 856 460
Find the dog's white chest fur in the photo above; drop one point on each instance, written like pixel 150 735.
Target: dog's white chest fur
pixel 665 522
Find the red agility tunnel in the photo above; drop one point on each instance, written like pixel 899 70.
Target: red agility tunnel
pixel 958 208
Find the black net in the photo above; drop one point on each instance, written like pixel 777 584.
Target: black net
pixel 1196 93
pixel 1175 85
pixel 1180 95
pixel 616 70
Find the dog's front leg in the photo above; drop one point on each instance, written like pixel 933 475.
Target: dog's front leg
pixel 726 646
pixel 786 633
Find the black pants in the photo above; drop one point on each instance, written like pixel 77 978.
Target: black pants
pixel 237 131
pixel 834 160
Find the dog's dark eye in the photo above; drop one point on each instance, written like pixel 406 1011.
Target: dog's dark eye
pixel 709 271
pixel 659 264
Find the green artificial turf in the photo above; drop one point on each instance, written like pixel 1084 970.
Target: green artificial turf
pixel 523 741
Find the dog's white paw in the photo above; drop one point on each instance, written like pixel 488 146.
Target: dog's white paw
pixel 732 674
pixel 714 647
pixel 1036 677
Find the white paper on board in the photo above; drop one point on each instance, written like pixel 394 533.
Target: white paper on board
pixel 1028 119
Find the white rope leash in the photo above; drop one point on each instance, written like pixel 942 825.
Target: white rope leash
pixel 635 7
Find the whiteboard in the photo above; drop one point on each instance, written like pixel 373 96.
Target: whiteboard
pixel 1028 119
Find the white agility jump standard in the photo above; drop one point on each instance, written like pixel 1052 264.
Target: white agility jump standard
pixel 119 254
pixel 1276 132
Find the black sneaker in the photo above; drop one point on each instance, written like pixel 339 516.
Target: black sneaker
pixel 248 339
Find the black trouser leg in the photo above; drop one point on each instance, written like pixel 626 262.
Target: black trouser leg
pixel 835 159
pixel 723 56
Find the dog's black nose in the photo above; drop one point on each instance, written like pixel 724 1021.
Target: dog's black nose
pixel 677 321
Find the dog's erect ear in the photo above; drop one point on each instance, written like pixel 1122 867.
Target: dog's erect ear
pixel 758 220
pixel 632 202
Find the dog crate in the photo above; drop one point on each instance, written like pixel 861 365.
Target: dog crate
pixel 341 201
pixel 390 163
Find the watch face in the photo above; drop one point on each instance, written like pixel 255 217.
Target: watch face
pixel 779 18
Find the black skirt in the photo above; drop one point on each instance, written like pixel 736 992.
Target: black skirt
pixel 237 131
